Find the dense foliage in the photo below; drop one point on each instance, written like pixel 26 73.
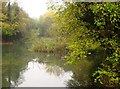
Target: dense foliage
pixel 14 21
pixel 46 37
pixel 92 31
pixel 89 31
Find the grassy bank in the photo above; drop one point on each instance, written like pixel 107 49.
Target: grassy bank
pixel 49 45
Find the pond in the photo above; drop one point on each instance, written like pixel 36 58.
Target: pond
pixel 23 68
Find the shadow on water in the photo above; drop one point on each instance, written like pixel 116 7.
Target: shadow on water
pixel 81 74
pixel 22 68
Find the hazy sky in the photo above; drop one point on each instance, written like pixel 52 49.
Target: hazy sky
pixel 34 8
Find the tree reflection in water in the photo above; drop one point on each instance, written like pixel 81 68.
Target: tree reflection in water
pixel 15 61
pixel 43 75
pixel 81 74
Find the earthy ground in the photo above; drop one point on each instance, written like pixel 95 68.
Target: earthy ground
pixel 6 43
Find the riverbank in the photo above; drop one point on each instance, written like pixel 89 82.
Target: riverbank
pixel 6 43
pixel 49 45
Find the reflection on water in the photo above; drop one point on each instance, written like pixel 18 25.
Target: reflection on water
pixel 37 75
pixel 20 69
pixel 81 75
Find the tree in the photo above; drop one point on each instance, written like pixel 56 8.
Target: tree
pixel 92 29
pixel 45 23
pixel 14 21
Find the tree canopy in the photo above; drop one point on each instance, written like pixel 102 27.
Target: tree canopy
pixel 93 32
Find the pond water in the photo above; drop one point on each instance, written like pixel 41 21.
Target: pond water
pixel 37 75
pixel 23 68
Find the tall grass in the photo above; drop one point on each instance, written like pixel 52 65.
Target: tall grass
pixel 49 45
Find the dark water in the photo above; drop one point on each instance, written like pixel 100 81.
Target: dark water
pixel 23 68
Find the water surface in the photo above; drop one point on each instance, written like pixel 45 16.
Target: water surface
pixel 42 75
pixel 20 69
